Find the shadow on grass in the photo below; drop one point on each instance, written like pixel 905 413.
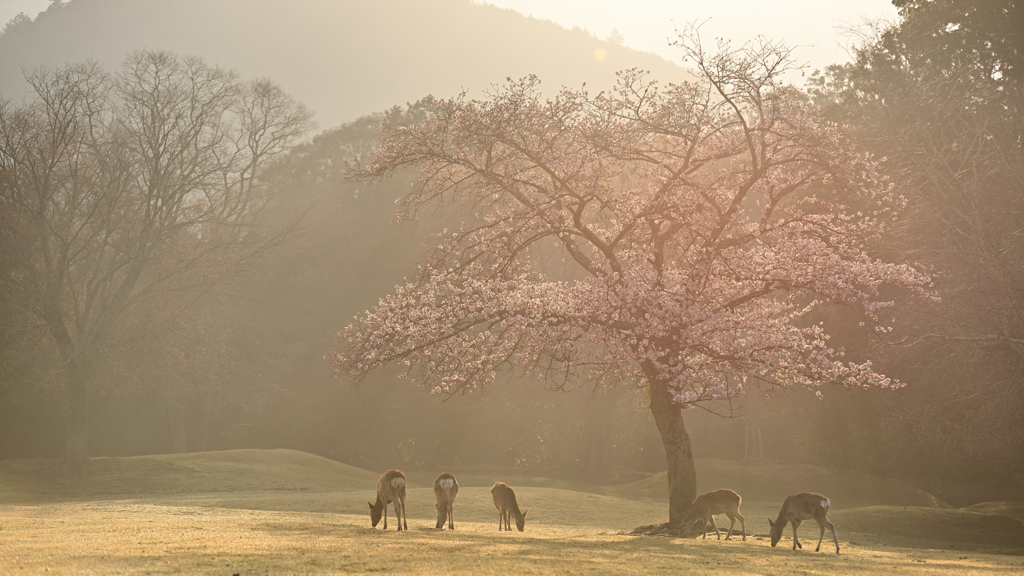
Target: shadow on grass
pixel 342 547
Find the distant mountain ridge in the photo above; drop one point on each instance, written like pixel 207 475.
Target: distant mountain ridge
pixel 342 59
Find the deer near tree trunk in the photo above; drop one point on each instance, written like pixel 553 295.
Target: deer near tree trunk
pixel 446 488
pixel 390 489
pixel 706 506
pixel 505 501
pixel 799 507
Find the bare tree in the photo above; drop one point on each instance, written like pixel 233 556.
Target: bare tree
pixel 142 190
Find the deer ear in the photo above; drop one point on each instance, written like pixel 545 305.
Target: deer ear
pixel 371 505
pixel 525 512
pixel 770 523
pixel 436 507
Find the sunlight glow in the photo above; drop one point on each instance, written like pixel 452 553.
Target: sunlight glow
pixel 821 29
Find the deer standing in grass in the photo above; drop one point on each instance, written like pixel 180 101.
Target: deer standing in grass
pixel 799 507
pixel 390 489
pixel 505 501
pixel 446 488
pixel 706 506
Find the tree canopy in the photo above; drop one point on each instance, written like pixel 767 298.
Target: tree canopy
pixel 698 224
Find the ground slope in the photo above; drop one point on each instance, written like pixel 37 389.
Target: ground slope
pixel 199 472
pixel 283 511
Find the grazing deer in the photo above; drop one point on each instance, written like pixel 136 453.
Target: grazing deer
pixel 705 507
pixel 390 489
pixel 505 501
pixel 446 488
pixel 799 507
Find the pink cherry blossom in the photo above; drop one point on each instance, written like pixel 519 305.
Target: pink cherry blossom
pixel 669 238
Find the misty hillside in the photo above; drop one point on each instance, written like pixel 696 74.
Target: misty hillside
pixel 294 470
pixel 222 471
pixel 342 59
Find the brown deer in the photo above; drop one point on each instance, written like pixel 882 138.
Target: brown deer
pixel 799 507
pixel 704 508
pixel 390 489
pixel 505 501
pixel 446 488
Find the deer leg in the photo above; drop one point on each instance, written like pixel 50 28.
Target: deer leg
pixel 501 520
pixel 835 538
pixel 451 516
pixel 713 525
pixel 796 542
pixel 732 522
pixel 743 525
pixel 405 521
pixel 385 515
pixel 821 525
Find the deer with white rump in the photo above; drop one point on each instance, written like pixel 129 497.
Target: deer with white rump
pixel 390 489
pixel 799 507
pixel 446 488
pixel 706 506
pixel 505 501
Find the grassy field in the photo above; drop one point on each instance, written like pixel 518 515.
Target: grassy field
pixel 286 512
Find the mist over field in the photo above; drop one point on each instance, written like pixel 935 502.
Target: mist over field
pixel 255 253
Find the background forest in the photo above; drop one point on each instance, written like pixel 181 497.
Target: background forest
pixel 218 345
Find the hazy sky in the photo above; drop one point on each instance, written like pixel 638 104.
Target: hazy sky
pixel 10 8
pixel 647 24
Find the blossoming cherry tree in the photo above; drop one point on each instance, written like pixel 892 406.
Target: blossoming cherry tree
pixel 698 223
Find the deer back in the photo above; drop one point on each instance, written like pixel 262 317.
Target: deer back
pixel 805 506
pixel 722 501
pixel 504 497
pixel 446 487
pixel 717 502
pixel 391 486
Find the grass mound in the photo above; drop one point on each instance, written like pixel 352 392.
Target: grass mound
pixel 933 524
pixel 1012 509
pixel 773 482
pixel 224 471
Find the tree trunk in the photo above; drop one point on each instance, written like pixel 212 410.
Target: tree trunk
pixel 76 398
pixel 597 425
pixel 682 477
pixel 76 456
pixel 178 413
pixel 204 429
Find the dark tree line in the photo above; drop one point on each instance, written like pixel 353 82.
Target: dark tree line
pixel 938 98
pixel 132 197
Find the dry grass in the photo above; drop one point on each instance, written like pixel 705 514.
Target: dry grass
pixel 295 525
